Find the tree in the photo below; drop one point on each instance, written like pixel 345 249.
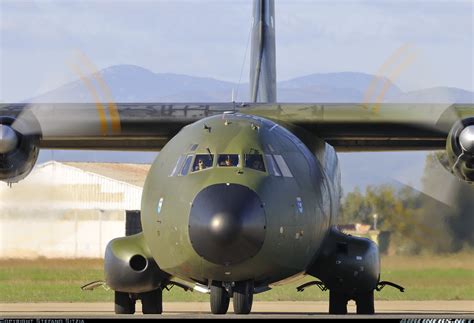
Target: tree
pixel 418 222
pixel 456 217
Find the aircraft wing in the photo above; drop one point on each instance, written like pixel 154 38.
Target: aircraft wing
pixel 372 127
pixel 149 126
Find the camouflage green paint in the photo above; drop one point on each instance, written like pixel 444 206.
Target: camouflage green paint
pixel 292 238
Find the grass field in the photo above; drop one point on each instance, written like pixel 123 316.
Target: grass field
pixel 448 277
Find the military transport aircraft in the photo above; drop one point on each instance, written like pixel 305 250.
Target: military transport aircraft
pixel 242 195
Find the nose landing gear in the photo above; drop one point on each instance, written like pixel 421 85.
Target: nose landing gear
pixel 243 297
pixel 219 300
pixel 241 292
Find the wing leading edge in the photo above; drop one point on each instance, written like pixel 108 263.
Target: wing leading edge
pixel 149 126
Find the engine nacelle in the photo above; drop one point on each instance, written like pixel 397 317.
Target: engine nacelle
pixel 460 149
pixel 347 264
pixel 18 153
pixel 129 267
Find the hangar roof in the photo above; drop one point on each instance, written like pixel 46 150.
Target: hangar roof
pixel 134 174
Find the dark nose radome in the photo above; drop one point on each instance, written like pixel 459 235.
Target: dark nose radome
pixel 227 223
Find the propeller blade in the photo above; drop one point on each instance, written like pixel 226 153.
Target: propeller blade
pixel 62 120
pixel 444 193
pixel 78 119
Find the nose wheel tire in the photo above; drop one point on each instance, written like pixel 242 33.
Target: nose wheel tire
pixel 124 304
pixel 243 297
pixel 152 302
pixel 219 300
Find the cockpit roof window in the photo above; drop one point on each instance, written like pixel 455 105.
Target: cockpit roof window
pixel 203 162
pixel 228 160
pixel 254 161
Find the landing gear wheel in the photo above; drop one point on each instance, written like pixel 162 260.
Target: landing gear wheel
pixel 337 303
pixel 152 302
pixel 365 303
pixel 243 297
pixel 219 300
pixel 124 304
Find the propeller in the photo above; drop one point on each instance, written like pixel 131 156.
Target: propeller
pixel 97 118
pixel 439 183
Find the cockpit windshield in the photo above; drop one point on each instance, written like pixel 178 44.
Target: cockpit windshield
pixel 201 162
pixel 254 161
pixel 195 163
pixel 231 160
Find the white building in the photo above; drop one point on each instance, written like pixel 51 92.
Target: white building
pixel 68 210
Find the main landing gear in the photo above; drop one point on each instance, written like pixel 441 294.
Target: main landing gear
pixel 152 302
pixel 242 297
pixel 364 300
pixel 338 302
pixel 338 299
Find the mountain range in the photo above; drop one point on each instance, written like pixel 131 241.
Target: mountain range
pixel 130 83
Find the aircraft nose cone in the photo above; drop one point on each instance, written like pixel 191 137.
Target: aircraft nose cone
pixel 227 223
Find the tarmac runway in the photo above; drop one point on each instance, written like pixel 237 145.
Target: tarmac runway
pixel 384 309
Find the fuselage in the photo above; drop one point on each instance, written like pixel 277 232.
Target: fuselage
pixel 236 197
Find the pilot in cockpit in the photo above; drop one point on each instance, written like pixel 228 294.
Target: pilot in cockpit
pixel 228 162
pixel 200 165
pixel 257 164
pixel 225 161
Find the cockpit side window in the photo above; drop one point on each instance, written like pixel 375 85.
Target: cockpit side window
pixel 283 166
pixel 187 163
pixel 178 165
pixel 254 161
pixel 272 166
pixel 203 162
pixel 228 160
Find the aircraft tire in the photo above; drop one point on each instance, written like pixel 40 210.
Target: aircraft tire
pixel 365 303
pixel 152 302
pixel 219 300
pixel 124 304
pixel 337 303
pixel 243 297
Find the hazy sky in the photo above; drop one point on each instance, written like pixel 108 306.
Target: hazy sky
pixel 39 40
